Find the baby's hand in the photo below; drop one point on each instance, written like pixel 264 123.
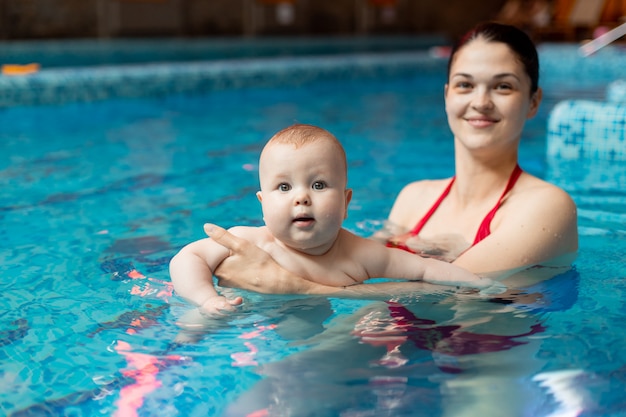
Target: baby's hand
pixel 473 282
pixel 487 286
pixel 483 283
pixel 219 305
pixel 494 288
pixel 209 314
pixel 197 321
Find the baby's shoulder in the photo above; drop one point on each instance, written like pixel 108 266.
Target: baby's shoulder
pixel 254 234
pixel 351 246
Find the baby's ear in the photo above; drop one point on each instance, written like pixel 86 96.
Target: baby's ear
pixel 348 194
pixel 259 196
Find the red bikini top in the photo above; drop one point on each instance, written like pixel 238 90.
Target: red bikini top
pixel 485 227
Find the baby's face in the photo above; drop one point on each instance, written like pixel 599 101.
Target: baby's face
pixel 303 194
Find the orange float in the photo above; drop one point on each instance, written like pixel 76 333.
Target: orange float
pixel 17 69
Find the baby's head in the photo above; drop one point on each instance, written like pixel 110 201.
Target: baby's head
pixel 300 135
pixel 303 176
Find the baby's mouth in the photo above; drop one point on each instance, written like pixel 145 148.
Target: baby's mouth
pixel 303 220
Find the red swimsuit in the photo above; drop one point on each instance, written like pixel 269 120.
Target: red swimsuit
pixel 485 227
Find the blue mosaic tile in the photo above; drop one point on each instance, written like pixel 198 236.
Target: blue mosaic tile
pixel 616 92
pixel 60 85
pixel 587 129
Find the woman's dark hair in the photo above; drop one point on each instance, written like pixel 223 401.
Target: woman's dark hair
pixel 516 39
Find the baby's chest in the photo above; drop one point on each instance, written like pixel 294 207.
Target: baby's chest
pixel 321 269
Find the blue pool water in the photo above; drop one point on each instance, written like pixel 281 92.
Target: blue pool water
pixel 96 197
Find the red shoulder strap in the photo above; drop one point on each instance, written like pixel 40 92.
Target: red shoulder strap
pixel 418 227
pixel 485 227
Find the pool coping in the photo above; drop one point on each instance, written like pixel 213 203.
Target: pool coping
pixel 62 85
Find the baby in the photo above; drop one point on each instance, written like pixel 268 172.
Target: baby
pixel 303 176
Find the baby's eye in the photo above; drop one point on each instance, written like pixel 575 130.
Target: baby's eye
pixel 284 187
pixel 318 185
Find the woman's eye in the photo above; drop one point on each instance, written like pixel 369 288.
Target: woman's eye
pixel 504 87
pixel 319 185
pixel 464 85
pixel 284 187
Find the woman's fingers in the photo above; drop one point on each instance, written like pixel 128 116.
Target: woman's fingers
pixel 223 237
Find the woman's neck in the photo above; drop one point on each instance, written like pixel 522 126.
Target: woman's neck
pixel 479 180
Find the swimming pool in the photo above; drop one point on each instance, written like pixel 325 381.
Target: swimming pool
pixel 96 197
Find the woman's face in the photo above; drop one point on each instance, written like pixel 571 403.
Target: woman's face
pixel 488 96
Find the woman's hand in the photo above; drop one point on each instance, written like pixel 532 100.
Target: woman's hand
pixel 251 268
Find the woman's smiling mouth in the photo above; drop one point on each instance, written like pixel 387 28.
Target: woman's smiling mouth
pixel 481 121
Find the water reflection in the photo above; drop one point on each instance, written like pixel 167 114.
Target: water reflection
pixel 447 353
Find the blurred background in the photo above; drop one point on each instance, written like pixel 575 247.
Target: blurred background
pixel 568 20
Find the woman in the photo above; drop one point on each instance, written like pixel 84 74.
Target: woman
pixel 492 217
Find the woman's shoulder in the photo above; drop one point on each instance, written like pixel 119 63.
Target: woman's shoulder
pixel 423 188
pixel 415 194
pixel 538 206
pixel 414 200
pixel 536 191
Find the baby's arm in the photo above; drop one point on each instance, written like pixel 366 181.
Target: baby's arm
pixel 191 271
pixel 396 263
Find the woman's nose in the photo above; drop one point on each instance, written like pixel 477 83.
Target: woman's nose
pixel 482 100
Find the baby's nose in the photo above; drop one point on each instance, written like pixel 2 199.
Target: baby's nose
pixel 302 199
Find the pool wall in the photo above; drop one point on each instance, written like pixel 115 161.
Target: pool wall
pixel 560 63
pixel 84 52
pixel 58 86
